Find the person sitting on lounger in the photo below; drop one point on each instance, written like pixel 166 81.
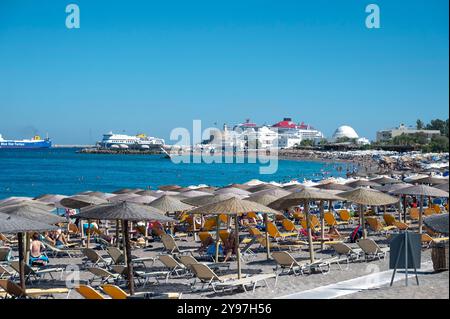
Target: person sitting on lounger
pixel 36 255
pixel 58 239
pixel 230 246
pixel 208 241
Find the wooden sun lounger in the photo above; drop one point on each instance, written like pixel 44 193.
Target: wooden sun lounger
pixel 371 249
pixel 14 291
pixel 37 274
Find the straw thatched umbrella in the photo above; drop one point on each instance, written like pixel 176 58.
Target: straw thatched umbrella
pixel 122 197
pixel 421 191
pixel 233 206
pixel 369 197
pixel 10 224
pixel 142 199
pixel 431 180
pixel 437 223
pixel 26 210
pixel 276 192
pixel 241 186
pixel 293 187
pixel 262 187
pixel 384 180
pixel 80 201
pixel 127 191
pixel 389 188
pixel 232 190
pixel 263 199
pixel 208 199
pixel 443 187
pixel 305 196
pixel 193 193
pixel 334 186
pixel 170 204
pixel 362 183
pixel 125 212
pixel 169 187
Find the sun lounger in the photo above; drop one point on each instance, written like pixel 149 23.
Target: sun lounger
pixel 5 253
pixel 171 246
pixel 209 278
pixel 287 263
pixel 188 261
pixel 116 292
pixel 342 249
pixel 174 267
pixel 5 272
pixel 89 293
pixel 93 258
pixel 36 274
pixel 15 291
pixel 277 235
pixel 376 226
pixel 55 252
pixel 252 281
pixel 427 240
pixel 118 257
pixel 331 221
pixel 103 275
pixel 371 249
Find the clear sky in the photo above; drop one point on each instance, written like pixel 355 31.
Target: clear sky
pixel 151 66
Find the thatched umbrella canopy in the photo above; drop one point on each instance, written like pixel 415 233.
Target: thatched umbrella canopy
pixel 421 191
pixel 10 224
pixel 208 199
pixel 30 202
pixel 147 192
pixel 208 189
pixel 28 211
pixel 14 200
pixel 432 180
pixel 50 198
pixel 305 196
pixel 169 187
pixel 384 180
pixel 369 197
pixel 232 190
pixel 125 212
pixel 362 183
pixel 127 191
pixel 443 187
pixel 122 197
pixel 80 201
pixel 143 199
pixel 388 188
pixel 169 204
pixel 263 199
pixel 99 194
pixel 193 193
pixel 276 192
pixel 234 206
pixel 241 186
pixel 334 186
pixel 437 223
pixel 294 187
pixel 262 187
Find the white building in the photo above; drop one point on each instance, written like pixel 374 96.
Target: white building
pixel 387 135
pixel 348 132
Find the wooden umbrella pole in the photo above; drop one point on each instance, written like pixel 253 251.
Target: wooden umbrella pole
pixel 267 237
pixel 128 257
pixel 421 214
pixel 308 225
pixel 117 233
pixel 217 237
pixel 361 212
pixel 88 233
pixel 322 224
pixel 21 261
pixel 238 253
pixel 404 208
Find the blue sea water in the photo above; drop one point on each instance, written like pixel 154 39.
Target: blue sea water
pixel 63 171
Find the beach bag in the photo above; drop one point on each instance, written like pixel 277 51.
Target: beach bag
pixel 356 234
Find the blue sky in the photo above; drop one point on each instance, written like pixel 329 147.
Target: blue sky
pixel 154 65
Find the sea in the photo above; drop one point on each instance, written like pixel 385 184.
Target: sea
pixel 67 172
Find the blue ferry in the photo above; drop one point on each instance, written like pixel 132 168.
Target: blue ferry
pixel 35 142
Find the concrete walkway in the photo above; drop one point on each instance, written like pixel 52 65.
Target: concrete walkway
pixel 351 286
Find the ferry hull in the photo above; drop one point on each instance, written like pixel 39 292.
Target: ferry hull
pixel 25 145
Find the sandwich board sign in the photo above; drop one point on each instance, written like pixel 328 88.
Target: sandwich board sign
pixel 405 253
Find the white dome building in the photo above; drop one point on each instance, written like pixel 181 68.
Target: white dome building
pixel 345 131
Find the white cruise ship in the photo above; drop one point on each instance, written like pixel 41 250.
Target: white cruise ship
pixel 121 141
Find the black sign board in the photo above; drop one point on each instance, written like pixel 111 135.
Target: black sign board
pixel 397 251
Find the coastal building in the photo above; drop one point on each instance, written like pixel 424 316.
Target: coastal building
pixel 389 134
pixel 249 135
pixel 347 133
pixel 122 141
